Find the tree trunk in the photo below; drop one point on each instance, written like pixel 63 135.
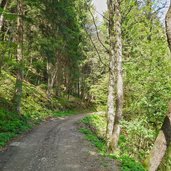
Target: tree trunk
pixel 111 87
pixel 118 55
pixel 59 78
pixel 52 73
pixel 115 94
pixel 168 26
pixel 110 106
pixel 161 144
pixel 163 139
pixel 3 5
pixel 19 58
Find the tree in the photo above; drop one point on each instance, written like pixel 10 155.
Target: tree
pixel 19 57
pixel 115 94
pixel 3 6
pixel 168 26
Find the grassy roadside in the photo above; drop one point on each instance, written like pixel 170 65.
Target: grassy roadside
pixel 36 107
pixel 93 127
pixel 12 125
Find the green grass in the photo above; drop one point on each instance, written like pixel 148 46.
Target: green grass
pixel 35 107
pixel 94 130
pixel 11 125
pixel 5 137
pixel 129 164
pixel 98 143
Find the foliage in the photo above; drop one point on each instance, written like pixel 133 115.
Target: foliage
pixel 97 123
pixel 35 108
pixel 129 164
pixel 94 127
pixel 100 99
pixel 136 139
pixel 147 69
pixel 99 143
pixel 11 125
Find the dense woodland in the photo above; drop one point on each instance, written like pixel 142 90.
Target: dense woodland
pixel 57 56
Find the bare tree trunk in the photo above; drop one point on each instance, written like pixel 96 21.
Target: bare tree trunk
pixel 118 55
pixel 111 87
pixel 115 94
pixel 59 78
pixel 19 58
pixel 110 106
pixel 161 144
pixel 49 73
pixel 52 73
pixel 78 87
pixel 168 26
pixel 164 137
pixel 3 5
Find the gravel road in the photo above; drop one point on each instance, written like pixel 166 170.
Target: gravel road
pixel 55 145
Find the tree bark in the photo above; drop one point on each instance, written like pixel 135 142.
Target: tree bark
pixel 59 78
pixel 111 87
pixel 3 5
pixel 115 93
pixel 168 26
pixel 52 74
pixel 161 144
pixel 19 58
pixel 118 55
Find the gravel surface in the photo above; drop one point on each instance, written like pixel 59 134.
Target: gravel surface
pixel 56 145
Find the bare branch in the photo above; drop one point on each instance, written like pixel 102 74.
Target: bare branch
pixel 95 48
pixel 107 50
pixel 102 16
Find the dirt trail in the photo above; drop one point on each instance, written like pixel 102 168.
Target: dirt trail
pixel 56 145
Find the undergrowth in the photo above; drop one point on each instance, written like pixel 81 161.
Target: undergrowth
pixel 97 142
pixel 11 125
pixel 35 108
pixel 94 130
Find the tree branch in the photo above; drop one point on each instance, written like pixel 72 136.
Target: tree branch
pixel 107 50
pixel 95 48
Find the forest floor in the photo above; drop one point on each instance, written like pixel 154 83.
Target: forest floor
pixel 55 145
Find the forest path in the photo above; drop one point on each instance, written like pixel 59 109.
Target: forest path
pixel 56 145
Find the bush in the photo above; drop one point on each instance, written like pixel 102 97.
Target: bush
pixel 129 164
pixel 136 139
